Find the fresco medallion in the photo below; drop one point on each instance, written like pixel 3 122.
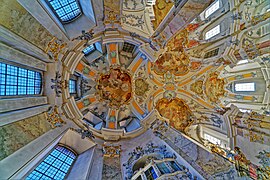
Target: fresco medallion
pixel 176 111
pixel 115 87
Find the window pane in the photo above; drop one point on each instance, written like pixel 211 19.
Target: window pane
pixel 89 49
pixel 22 72
pixel 54 166
pixel 2 90
pixel 212 9
pixel 242 61
pixel 2 68
pixel 150 173
pixel 22 81
pixel 245 87
pixel 2 79
pixel 211 139
pixel 127 47
pixel 12 70
pixel 72 86
pixel 163 168
pixel 66 10
pixel 245 110
pixel 18 81
pixel 11 80
pixel 174 166
pixel 212 32
pixel 11 90
pixel 22 90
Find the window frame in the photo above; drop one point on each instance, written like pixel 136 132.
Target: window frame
pixel 59 18
pixel 37 78
pixel 243 61
pixel 211 53
pixel 56 158
pixel 90 52
pixel 245 90
pixel 75 85
pixel 212 32
pixel 217 140
pixel 128 46
pixel 207 15
pixel 162 166
pixel 151 173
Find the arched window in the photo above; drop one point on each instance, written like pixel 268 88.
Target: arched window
pixel 66 10
pixel 151 174
pixel 212 32
pixel 55 166
pixel 72 86
pixel 244 61
pixel 214 7
pixel 212 139
pixel 247 87
pixel 18 81
pixel 89 49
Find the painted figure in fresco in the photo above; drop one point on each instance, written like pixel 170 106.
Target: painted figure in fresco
pixel 174 60
pixel 197 87
pixel 214 87
pixel 115 86
pixel 141 87
pixel 176 111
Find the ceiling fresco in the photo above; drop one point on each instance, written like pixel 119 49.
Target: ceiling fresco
pixel 115 86
pixel 161 9
pixel 126 92
pixel 150 68
pixel 176 111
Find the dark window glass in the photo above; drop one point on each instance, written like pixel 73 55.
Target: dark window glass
pixel 66 10
pixel 174 165
pixel 127 47
pixel 55 165
pixel 150 174
pixel 163 168
pixel 211 53
pixel 18 81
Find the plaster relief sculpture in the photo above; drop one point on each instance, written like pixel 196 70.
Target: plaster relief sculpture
pixel 55 48
pixel 197 87
pixel 54 117
pixel 86 36
pixel 141 87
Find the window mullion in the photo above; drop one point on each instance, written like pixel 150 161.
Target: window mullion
pixel 5 93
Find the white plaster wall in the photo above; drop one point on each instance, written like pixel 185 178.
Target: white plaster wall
pixel 13 40
pixel 21 103
pixel 14 56
pixel 251 149
pixel 82 166
pixel 13 116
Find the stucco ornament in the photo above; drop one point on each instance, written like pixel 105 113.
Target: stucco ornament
pixel 141 87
